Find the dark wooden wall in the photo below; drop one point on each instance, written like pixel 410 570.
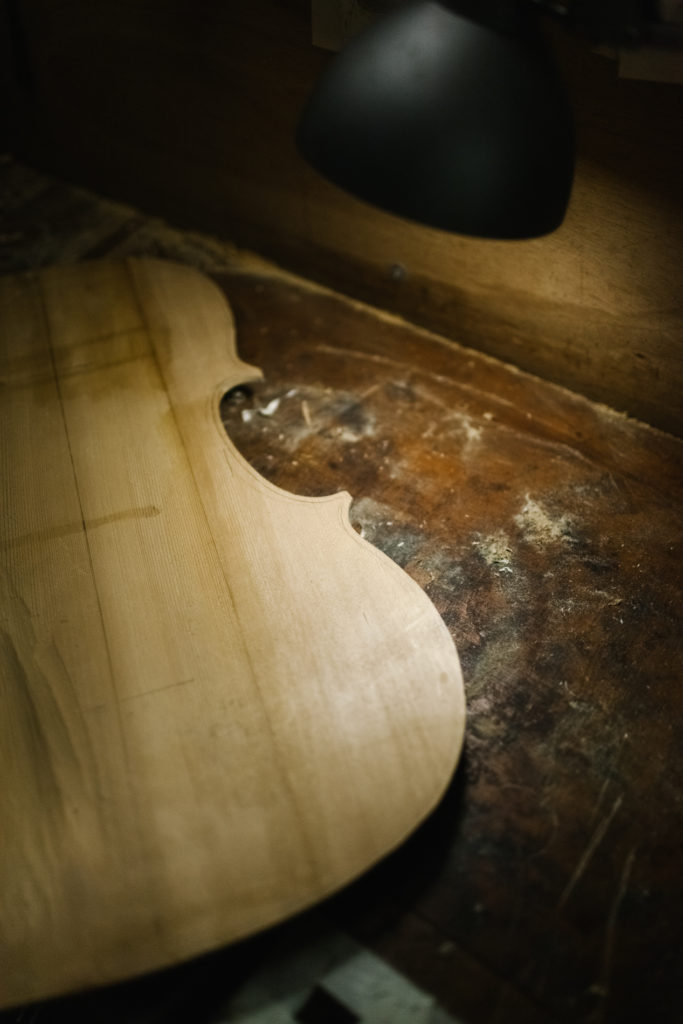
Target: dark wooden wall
pixel 188 108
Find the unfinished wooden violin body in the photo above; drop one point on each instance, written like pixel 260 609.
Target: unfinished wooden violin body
pixel 219 703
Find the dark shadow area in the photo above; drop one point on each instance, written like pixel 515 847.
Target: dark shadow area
pixel 371 905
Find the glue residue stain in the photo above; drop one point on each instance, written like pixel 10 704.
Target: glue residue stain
pixel 539 527
pixel 496 551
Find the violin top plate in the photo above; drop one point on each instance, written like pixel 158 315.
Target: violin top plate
pixel 219 703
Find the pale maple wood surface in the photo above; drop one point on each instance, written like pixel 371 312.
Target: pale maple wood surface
pixel 219 702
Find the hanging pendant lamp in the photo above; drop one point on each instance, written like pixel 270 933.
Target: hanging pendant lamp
pixel 453 120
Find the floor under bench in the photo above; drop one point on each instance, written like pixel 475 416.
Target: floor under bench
pixel 548 532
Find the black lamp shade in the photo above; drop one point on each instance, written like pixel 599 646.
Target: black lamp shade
pixel 451 122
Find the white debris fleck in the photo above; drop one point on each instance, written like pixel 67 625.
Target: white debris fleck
pixel 306 413
pixel 271 408
pixel 472 433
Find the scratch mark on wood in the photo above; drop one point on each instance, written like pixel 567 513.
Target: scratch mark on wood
pixel 144 693
pixel 70 529
pixel 591 847
pixel 601 797
pixel 601 987
pixel 158 689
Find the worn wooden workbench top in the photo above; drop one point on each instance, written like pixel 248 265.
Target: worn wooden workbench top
pixel 548 532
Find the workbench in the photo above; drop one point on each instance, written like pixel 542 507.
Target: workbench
pixel 548 532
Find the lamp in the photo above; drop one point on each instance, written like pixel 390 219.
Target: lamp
pixel 454 120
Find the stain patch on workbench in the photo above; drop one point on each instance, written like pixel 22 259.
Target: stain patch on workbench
pixel 538 526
